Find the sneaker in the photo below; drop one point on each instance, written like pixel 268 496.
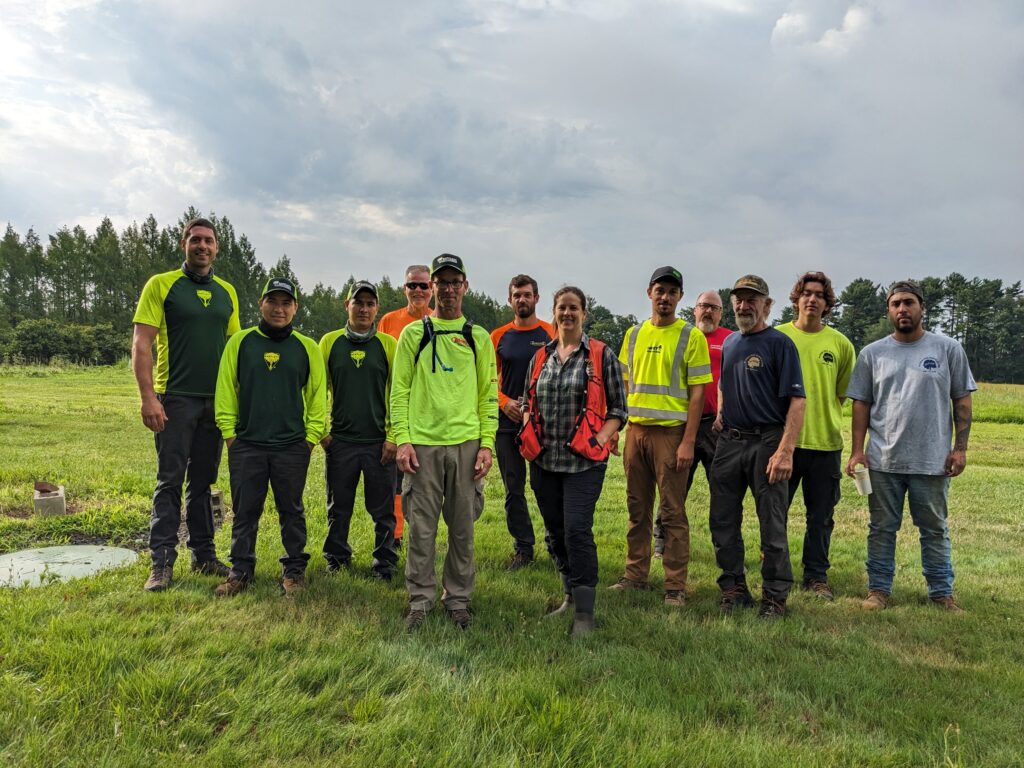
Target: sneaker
pixel 230 587
pixel 946 603
pixel 414 619
pixel 384 576
pixel 212 567
pixel 734 597
pixel 160 578
pixel 771 608
pixel 623 584
pixel 293 585
pixel 460 617
pixel 820 588
pixel 675 598
pixel 877 600
pixel 518 560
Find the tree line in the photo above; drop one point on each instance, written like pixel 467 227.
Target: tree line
pixel 74 296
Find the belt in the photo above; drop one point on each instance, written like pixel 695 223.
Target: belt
pixel 751 434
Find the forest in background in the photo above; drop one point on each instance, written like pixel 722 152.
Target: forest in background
pixel 73 296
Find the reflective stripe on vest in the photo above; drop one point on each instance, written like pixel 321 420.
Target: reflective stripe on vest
pixel 676 386
pixel 657 413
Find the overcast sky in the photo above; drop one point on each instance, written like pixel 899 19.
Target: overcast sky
pixel 580 142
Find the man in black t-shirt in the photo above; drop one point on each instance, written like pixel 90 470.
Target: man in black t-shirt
pixel 760 414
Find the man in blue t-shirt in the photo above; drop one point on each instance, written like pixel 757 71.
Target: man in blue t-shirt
pixel 760 413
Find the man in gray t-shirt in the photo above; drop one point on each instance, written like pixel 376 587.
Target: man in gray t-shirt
pixel 902 387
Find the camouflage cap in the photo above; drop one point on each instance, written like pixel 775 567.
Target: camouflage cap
pixel 751 283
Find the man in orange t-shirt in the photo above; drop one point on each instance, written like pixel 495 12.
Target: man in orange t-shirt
pixel 418 292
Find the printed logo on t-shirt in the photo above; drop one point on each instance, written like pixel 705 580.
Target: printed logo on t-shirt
pixel 460 341
pixel 204 296
pixel 827 357
pixel 930 364
pixel 271 359
pixel 754 363
pixel 538 343
pixel 654 349
pixel 357 356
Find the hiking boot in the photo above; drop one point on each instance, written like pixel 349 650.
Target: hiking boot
pixel 877 600
pixel 623 584
pixel 735 597
pixel 335 567
pixel 518 560
pixel 675 598
pixel 292 585
pixel 160 578
pixel 414 619
pixel 460 617
pixel 212 567
pixel 820 588
pixel 946 603
pixel 384 576
pixel 230 587
pixel 771 608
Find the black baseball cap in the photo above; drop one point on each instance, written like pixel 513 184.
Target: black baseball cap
pixel 751 283
pixel 447 260
pixel 666 274
pixel 282 284
pixel 361 285
pixel 905 286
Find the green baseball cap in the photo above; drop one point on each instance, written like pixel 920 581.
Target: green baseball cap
pixel 751 283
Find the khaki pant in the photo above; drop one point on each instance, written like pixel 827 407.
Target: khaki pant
pixel 650 463
pixel 443 486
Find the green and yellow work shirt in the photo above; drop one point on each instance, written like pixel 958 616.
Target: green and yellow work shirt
pixel 448 399
pixel 827 359
pixel 659 363
pixel 194 321
pixel 358 385
pixel 271 393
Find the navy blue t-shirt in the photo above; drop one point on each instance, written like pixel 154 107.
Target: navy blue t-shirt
pixel 760 372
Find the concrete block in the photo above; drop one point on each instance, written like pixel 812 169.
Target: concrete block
pixel 50 503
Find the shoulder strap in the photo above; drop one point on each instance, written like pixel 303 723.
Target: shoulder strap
pixel 425 339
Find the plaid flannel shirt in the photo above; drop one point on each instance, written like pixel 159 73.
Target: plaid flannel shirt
pixel 560 390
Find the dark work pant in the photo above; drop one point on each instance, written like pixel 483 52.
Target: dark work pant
pixel 703 454
pixel 513 475
pixel 567 501
pixel 252 468
pixel 741 463
pixel 819 472
pixel 345 462
pixel 187 451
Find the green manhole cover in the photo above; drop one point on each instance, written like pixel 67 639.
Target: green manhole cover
pixel 33 567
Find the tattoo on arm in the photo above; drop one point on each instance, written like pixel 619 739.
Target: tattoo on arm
pixel 962 422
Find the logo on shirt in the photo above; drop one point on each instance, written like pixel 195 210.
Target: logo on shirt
pixel 357 356
pixel 827 357
pixel 204 296
pixel 271 359
pixel 930 364
pixel 460 341
pixel 654 349
pixel 754 363
pixel 538 343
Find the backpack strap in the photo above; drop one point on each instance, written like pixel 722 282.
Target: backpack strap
pixel 429 337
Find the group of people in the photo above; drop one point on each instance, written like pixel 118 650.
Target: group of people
pixel 419 402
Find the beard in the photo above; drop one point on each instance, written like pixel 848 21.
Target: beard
pixel 706 326
pixel 524 310
pixel 746 322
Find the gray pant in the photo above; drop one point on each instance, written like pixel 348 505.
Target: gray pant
pixel 187 451
pixel 443 486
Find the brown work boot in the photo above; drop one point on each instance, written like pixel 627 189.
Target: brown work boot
pixel 414 619
pixel 460 617
pixel 230 587
pixel 820 588
pixel 877 600
pixel 946 603
pixel 212 567
pixel 771 608
pixel 160 578
pixel 293 585
pixel 675 598
pixel 518 560
pixel 624 584
pixel 735 597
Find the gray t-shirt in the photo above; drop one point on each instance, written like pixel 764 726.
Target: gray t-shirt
pixel 910 388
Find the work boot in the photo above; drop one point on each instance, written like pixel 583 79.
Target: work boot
pixel 877 600
pixel 820 588
pixel 566 602
pixel 160 578
pixel 212 567
pixel 737 596
pixel 518 560
pixel 293 585
pixel 231 587
pixel 675 598
pixel 946 603
pixel 460 617
pixel 583 618
pixel 624 584
pixel 414 619
pixel 771 608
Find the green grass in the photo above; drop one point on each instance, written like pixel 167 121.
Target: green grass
pixel 97 672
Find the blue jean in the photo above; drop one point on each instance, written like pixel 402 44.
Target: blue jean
pixel 927 497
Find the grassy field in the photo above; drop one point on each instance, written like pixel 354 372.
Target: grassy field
pixel 97 672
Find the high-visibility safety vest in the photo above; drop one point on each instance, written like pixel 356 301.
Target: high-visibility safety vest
pixel 661 363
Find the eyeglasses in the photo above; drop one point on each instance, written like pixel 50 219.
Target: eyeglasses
pixel 421 286
pixel 453 285
pixel 702 305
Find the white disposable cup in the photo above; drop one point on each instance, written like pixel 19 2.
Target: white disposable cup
pixel 862 480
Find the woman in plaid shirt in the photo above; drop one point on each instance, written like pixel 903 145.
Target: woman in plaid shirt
pixel 567 485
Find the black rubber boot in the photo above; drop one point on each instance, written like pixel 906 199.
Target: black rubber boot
pixel 583 620
pixel 567 603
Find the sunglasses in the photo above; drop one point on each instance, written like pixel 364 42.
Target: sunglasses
pixel 421 286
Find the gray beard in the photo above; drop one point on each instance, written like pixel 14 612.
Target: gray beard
pixel 707 326
pixel 745 323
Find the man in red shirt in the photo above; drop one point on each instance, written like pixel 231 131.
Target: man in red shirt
pixel 708 314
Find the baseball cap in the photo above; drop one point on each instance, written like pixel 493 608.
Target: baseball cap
pixel 905 286
pixel 361 285
pixel 751 283
pixel 671 274
pixel 446 260
pixel 282 284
